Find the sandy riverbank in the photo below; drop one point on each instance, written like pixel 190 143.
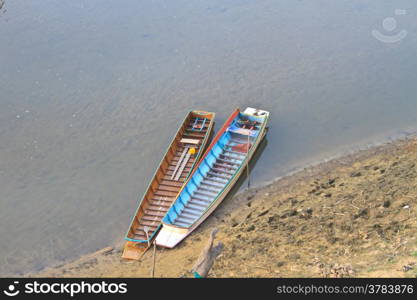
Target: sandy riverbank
pixel 349 217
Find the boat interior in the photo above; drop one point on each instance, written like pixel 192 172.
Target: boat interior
pixel 215 171
pixel 170 177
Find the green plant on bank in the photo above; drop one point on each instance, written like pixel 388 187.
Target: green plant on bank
pixel 392 260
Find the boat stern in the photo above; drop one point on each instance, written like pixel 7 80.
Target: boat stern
pixel 170 236
pixel 133 251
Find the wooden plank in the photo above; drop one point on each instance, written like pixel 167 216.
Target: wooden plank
pixel 182 168
pixel 190 141
pixel 205 192
pixel 228 162
pixel 155 213
pixel 157 208
pixel 164 187
pixel 216 187
pixel 161 200
pixel 181 148
pixel 190 125
pixel 190 128
pixel 236 153
pixel 186 170
pixel 190 162
pixel 161 203
pixel 222 171
pixel 208 189
pixel 151 218
pixel 201 200
pixel 220 181
pixel 172 167
pixel 149 223
pixel 165 194
pixel 218 175
pixel 195 206
pixel 192 212
pixel 168 177
pixel 185 216
pixel 142 227
pixel 226 166
pixel 182 223
pixel 179 162
pixel 172 183
pixel 140 235
pixel 232 157
pixel 194 135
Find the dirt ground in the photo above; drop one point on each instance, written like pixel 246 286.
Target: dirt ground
pixel 350 217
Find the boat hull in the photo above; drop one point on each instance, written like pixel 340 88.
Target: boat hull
pixel 181 157
pixel 170 234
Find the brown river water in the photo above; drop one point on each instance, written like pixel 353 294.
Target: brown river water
pixel 91 93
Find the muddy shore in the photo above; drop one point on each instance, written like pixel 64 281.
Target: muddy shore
pixel 350 217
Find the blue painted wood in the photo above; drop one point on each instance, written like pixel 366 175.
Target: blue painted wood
pixel 195 122
pixel 213 175
pixel 204 123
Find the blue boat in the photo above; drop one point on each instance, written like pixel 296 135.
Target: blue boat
pixel 218 170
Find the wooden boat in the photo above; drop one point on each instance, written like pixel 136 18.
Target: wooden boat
pixel 214 176
pixel 177 164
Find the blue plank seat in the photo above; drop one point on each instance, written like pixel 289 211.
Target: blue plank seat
pixel 199 124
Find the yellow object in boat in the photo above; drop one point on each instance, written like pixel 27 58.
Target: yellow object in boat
pixel 191 151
